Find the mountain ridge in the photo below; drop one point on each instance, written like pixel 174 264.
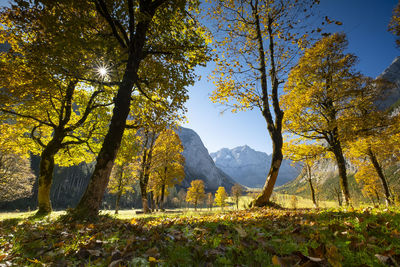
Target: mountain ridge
pixel 250 167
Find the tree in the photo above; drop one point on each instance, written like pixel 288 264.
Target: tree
pixel 367 178
pixel 322 92
pixel 306 155
pixel 160 44
pixel 220 197
pixel 195 192
pixel 182 197
pixel 236 193
pixel 168 164
pixel 258 43
pixel 374 152
pixel 376 135
pixel 16 177
pixel 394 25
pixel 210 200
pixel 125 169
pixel 44 78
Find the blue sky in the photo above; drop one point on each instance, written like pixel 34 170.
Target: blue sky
pixel 365 23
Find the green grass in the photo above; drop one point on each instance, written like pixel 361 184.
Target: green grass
pixel 255 237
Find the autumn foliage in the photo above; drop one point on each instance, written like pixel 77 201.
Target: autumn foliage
pixel 195 192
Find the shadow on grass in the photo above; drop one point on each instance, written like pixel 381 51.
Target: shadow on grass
pixel 244 238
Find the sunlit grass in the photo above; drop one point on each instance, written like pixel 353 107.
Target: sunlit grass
pixel 283 200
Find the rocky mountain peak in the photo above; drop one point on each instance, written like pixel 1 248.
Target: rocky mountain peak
pixel 250 167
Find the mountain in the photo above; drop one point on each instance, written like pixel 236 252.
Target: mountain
pixel 392 96
pixel 249 167
pixel 199 164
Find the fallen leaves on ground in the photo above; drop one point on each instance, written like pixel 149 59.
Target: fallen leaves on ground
pixel 256 237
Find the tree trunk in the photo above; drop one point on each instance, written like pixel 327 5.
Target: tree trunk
pixel 341 163
pixel 152 201
pixel 162 197
pixel 377 197
pixel 145 204
pixel 337 192
pixel 382 178
pixel 277 157
pixel 274 128
pixel 91 200
pixel 117 201
pixel 311 185
pixel 46 168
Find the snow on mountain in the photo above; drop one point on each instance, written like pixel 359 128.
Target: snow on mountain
pixel 249 167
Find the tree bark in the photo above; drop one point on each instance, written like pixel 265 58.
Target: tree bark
pixel 46 168
pixel 311 185
pixel 145 204
pixel 382 178
pixel 341 163
pixel 91 200
pixel 274 128
pixel 162 197
pixel 277 157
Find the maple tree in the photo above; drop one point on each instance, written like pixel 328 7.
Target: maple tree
pixel 394 25
pixel 256 42
pixel 151 119
pixel 305 155
pixel 220 197
pixel 195 192
pixel 45 89
pixel 376 136
pixel 160 44
pixel 168 164
pixel 16 176
pixel 125 168
pixel 181 197
pixel 322 93
pixel 236 191
pixel 373 153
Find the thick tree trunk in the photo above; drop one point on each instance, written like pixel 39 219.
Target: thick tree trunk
pixel 341 163
pixel 91 200
pixel 382 178
pixel 277 157
pixel 46 168
pixel 45 180
pixel 311 185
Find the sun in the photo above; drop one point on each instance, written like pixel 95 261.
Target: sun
pixel 103 71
